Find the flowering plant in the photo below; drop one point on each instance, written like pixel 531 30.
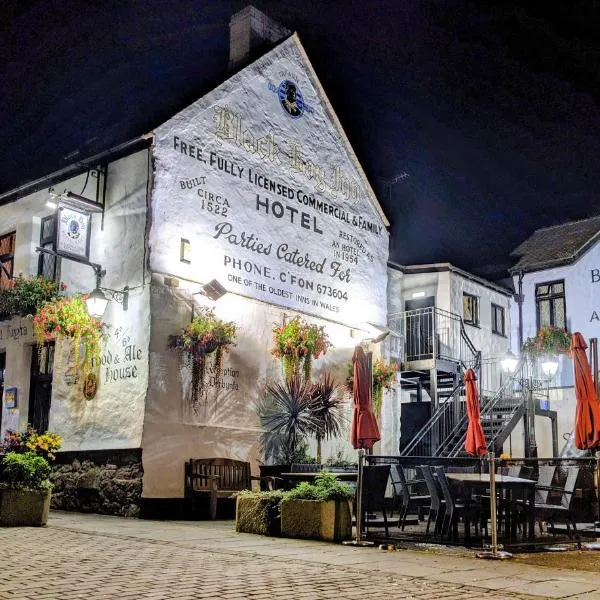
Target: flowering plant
pixel 204 335
pixel 23 296
pixel 296 343
pixel 68 318
pixel 384 374
pixel 42 444
pixel 549 340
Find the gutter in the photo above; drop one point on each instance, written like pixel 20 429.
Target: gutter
pixel 77 168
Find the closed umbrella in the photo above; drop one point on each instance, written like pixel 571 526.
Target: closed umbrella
pixel 587 413
pixel 475 441
pixel 365 431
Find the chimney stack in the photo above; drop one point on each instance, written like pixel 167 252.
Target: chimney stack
pixel 251 32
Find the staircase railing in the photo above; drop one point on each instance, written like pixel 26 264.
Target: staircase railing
pixel 506 401
pixel 439 425
pixel 435 333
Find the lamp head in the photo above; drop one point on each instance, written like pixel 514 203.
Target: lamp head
pixel 509 362
pixel 96 303
pixel 550 367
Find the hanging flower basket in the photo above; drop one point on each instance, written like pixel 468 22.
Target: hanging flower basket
pixel 23 296
pixel 67 320
pixel 384 375
pixel 206 335
pixel 549 341
pixel 297 343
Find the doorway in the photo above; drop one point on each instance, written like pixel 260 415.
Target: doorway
pixel 2 369
pixel 419 328
pixel 40 389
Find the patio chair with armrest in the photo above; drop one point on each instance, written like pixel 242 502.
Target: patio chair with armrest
pixel 374 484
pixel 436 505
pixel 553 512
pixel 408 497
pixel 455 507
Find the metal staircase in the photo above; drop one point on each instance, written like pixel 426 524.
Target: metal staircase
pixel 444 434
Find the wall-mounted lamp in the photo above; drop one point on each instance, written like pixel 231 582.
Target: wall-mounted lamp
pixel 418 295
pixel 99 298
pixel 51 204
pixel 213 290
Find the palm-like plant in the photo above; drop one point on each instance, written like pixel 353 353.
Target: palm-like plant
pixel 286 415
pixel 327 411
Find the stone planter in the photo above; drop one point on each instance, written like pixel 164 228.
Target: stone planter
pixel 23 507
pixel 312 519
pixel 252 515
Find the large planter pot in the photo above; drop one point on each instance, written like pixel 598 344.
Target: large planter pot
pixel 252 515
pixel 24 507
pixel 312 519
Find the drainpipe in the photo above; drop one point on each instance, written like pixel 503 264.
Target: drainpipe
pixel 519 298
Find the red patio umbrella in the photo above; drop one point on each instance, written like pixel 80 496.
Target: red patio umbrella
pixel 475 441
pixel 365 431
pixel 587 413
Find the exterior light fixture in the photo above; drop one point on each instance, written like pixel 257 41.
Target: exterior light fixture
pixel 99 298
pixel 550 367
pixel 509 362
pixel 213 290
pixel 418 295
pixel 51 204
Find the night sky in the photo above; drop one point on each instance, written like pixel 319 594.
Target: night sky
pixel 475 124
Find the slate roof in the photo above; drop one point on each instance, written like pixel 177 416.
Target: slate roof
pixel 557 245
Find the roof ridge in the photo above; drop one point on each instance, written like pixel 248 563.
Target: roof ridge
pixel 564 224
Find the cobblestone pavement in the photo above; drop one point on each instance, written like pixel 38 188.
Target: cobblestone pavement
pixel 91 557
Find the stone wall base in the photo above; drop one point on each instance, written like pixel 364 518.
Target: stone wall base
pixel 105 482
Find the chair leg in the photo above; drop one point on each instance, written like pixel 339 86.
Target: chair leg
pixel 428 521
pixel 403 516
pixel 213 500
pixel 387 533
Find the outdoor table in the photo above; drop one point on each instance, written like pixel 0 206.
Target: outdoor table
pixel 505 485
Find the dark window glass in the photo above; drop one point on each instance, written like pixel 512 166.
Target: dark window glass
pixel 471 309
pixel 47 266
pixel 550 304
pixel 7 258
pixel 498 324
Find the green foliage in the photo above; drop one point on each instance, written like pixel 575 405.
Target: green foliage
pixel 285 414
pixel 25 471
pixel 339 460
pixel 325 488
pixel 327 408
pixel 549 341
pixel 25 295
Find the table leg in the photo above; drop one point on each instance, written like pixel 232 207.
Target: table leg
pixel 531 519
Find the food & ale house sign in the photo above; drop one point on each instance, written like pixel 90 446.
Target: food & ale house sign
pixel 270 200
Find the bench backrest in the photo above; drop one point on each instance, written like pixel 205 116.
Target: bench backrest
pixel 232 474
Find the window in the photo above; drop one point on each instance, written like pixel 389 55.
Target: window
pixel 7 258
pixel 550 304
pixel 471 309
pixel 498 320
pixel 47 266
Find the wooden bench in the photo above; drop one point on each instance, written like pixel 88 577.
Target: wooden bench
pixel 216 478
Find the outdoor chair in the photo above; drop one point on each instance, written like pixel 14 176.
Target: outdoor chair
pixel 455 508
pixel 436 505
pixel 306 468
pixel 375 479
pixel 553 512
pixel 405 495
pixel 544 483
pixel 460 470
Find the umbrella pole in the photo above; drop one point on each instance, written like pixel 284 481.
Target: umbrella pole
pixel 494 553
pixel 359 489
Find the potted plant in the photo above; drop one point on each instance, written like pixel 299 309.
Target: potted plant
pixel 549 341
pixel 43 444
pixel 67 319
pixel 206 335
pixel 297 343
pixel 23 296
pixel 327 410
pixel 259 512
pixel 318 511
pixel 286 417
pixel 24 490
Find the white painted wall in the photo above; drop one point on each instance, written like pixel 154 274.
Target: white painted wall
pixel 114 418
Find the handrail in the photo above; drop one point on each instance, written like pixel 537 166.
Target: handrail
pixel 434 420
pixel 487 408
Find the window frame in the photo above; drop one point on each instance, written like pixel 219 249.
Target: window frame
pixel 495 330
pixel 48 242
pixel 474 303
pixel 8 258
pixel 551 298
